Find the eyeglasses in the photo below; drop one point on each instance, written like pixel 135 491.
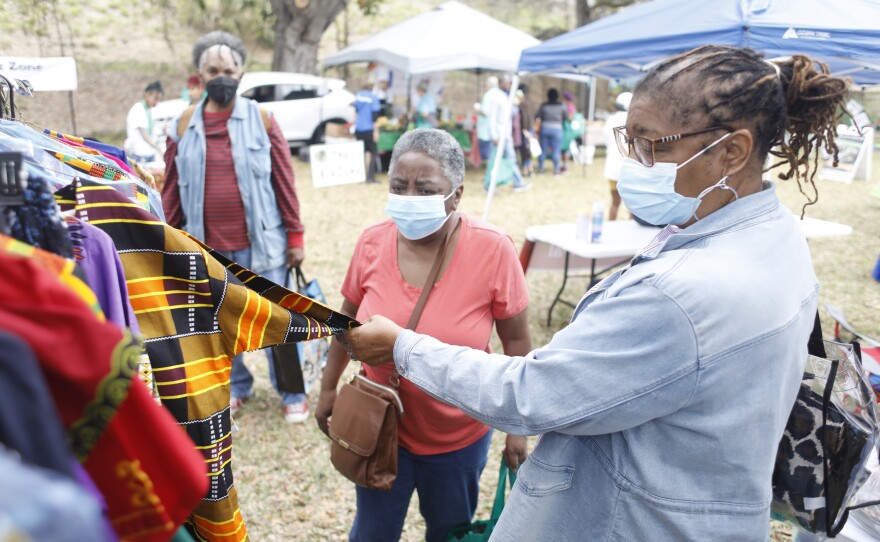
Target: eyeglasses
pixel 643 147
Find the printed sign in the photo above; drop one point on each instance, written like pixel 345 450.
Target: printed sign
pixel 44 74
pixel 337 163
pixel 854 156
pixel 858 114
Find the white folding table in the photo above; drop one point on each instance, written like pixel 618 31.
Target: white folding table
pixel 555 247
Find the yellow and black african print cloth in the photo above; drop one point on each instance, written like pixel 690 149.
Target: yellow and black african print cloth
pixel 198 310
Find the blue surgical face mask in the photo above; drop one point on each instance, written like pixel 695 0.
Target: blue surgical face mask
pixel 649 192
pixel 417 216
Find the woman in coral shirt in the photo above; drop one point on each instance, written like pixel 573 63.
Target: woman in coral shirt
pixel 442 450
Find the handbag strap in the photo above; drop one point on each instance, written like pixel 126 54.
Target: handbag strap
pixel 301 281
pixel 432 275
pixel 394 378
pixel 816 344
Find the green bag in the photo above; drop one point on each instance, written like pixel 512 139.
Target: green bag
pixel 480 531
pixel 506 170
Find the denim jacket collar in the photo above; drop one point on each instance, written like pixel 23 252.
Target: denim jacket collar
pixel 740 212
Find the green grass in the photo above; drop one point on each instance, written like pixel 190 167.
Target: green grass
pixel 287 487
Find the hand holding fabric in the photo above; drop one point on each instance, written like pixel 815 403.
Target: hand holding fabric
pixel 373 342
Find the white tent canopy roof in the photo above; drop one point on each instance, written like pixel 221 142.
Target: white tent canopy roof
pixel 451 36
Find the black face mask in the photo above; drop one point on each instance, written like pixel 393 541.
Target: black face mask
pixel 221 89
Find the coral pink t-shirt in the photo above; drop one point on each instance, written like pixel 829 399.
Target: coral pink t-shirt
pixel 483 282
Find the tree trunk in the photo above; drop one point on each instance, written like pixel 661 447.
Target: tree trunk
pixel 299 25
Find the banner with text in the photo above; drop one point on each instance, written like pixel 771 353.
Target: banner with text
pixel 44 74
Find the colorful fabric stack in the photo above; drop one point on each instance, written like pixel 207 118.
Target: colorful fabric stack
pixel 197 310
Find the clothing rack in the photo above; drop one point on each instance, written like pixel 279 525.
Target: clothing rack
pixel 11 185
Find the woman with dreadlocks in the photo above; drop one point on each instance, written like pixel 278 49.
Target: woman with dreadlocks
pixel 662 403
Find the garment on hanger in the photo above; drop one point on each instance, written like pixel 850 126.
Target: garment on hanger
pixel 95 253
pixel 25 403
pixel 130 446
pixel 39 504
pixel 78 143
pixel 66 271
pixel 45 148
pixel 38 220
pixel 196 314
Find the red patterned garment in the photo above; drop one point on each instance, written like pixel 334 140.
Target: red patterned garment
pixel 140 460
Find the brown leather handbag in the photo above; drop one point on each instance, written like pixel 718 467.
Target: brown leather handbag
pixel 363 425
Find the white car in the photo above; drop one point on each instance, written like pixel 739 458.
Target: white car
pixel 302 104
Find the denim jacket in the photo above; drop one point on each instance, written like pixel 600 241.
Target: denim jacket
pixel 253 168
pixel 661 405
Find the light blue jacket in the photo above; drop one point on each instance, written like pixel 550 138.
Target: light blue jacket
pixel 253 168
pixel 662 403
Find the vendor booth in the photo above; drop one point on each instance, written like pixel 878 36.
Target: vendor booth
pixel 424 45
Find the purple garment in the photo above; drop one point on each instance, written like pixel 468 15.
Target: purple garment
pixel 96 254
pixel 86 484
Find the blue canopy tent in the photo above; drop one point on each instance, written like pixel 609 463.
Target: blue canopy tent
pixel 844 34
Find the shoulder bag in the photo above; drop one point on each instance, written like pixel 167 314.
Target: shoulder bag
pixel 363 425
pixel 831 433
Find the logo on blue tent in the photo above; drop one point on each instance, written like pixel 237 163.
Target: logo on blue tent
pixel 792 34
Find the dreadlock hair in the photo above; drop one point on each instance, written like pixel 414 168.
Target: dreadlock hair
pixel 727 85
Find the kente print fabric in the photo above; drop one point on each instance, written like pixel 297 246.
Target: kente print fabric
pixel 95 253
pixel 198 310
pixel 131 447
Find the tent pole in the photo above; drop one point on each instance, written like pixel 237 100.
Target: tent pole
pixel 408 98
pixel 591 115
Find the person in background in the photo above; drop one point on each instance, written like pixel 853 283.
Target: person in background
pixel 499 116
pixel 442 450
pixel 368 108
pixel 383 93
pixel 570 110
pixel 527 129
pixel 140 141
pixel 246 209
pixel 484 138
pixel 195 90
pixel 661 404
pixel 613 158
pixel 426 107
pixel 550 117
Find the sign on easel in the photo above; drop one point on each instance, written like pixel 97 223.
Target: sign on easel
pixel 854 156
pixel 337 163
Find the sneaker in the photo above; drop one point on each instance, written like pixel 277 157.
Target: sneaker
pixel 235 404
pixel 296 413
pixel 522 188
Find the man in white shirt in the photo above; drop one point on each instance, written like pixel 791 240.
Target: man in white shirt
pixel 141 143
pixel 496 107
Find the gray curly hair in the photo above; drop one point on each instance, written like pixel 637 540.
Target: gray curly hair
pixel 436 144
pixel 215 38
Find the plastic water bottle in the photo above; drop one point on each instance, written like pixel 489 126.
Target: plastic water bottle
pixel 598 218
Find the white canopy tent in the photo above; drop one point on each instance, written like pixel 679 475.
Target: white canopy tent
pixel 449 37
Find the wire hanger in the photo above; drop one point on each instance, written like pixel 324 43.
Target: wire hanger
pixel 10 93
